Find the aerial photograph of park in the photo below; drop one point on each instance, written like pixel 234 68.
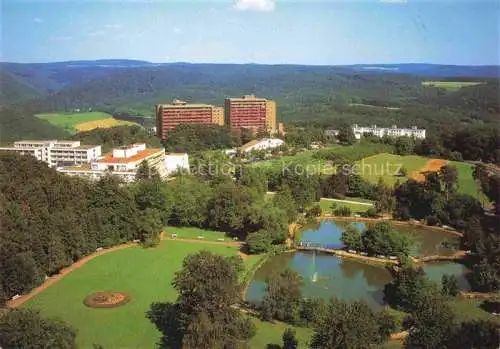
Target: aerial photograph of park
pixel 250 174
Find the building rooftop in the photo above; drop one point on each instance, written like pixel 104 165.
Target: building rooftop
pixel 246 98
pixel 182 104
pixel 83 167
pixel 109 159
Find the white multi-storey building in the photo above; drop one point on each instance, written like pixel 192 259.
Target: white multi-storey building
pixel 55 152
pixel 122 162
pixel 393 131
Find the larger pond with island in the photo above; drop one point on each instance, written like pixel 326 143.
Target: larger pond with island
pixel 327 275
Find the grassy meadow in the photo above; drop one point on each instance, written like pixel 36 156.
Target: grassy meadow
pixel 450 85
pixel 385 166
pixel 77 122
pixel 354 204
pixel 145 274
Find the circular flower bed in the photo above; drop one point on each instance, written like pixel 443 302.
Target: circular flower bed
pixel 106 299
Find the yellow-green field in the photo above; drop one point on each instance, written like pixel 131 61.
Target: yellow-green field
pixel 450 85
pixel 77 122
pixel 386 166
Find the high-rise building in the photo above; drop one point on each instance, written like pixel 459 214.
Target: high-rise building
pixel 168 116
pixel 251 112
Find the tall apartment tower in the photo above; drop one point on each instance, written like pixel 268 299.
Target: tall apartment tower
pixel 250 112
pixel 168 116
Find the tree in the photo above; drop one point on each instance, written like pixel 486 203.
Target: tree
pixel 205 314
pixel 351 237
pixel 289 340
pixel 282 298
pixel 346 135
pixel 144 172
pixel 149 227
pixel 284 200
pixel 404 145
pixel 449 175
pixel 450 285
pixel 431 322
pixel 259 242
pixel 351 325
pixel 25 328
pixel 409 288
pixel 483 334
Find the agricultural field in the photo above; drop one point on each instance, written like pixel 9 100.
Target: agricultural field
pixel 77 122
pixel 144 274
pixel 385 166
pixel 450 85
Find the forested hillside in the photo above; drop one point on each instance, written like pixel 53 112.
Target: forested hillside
pixel 16 124
pixel 13 91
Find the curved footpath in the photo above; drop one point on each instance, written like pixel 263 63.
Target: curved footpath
pixel 14 303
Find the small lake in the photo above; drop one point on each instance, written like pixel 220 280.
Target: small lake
pixel 327 275
pixel 428 241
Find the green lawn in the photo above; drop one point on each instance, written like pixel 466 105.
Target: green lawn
pixel 386 166
pixel 313 161
pixel 326 205
pixel 271 333
pixel 466 183
pixel 450 85
pixel 145 274
pixel 193 233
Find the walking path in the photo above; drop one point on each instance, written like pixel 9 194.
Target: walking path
pixel 349 202
pixel 14 303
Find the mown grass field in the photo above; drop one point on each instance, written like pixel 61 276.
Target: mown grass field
pixel 145 274
pixel 356 208
pixel 450 85
pixel 314 161
pixel 77 122
pixel 194 233
pixel 385 166
pixel 466 183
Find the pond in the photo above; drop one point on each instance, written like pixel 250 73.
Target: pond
pixel 428 241
pixel 326 275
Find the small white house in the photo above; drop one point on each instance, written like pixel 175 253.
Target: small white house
pixel 176 162
pixel 262 144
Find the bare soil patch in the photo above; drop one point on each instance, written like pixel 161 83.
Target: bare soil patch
pixel 107 299
pixel 431 166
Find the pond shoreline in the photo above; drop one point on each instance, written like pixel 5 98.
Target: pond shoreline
pixel 393 221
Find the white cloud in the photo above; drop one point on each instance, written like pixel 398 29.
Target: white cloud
pixel 177 30
pixel 61 38
pixel 96 33
pixel 255 5
pixel 37 20
pixel 113 26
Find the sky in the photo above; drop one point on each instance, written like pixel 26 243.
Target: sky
pixel 321 32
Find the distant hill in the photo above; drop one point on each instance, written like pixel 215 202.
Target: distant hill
pixel 14 91
pixel 433 70
pixel 327 93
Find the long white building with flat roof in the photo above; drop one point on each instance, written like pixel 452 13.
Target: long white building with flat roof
pixel 122 162
pixel 56 152
pixel 393 131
